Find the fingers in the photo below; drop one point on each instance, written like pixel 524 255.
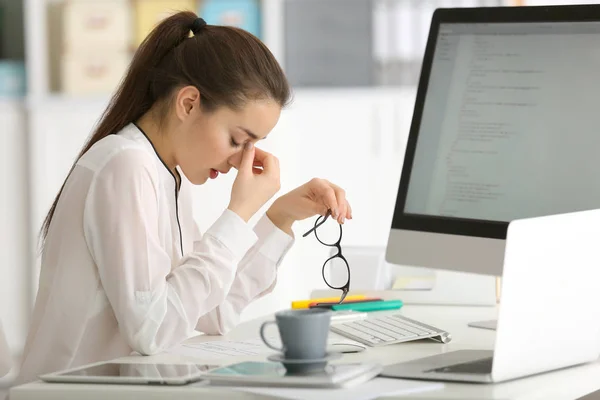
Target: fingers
pixel 349 213
pixel 334 198
pixel 247 158
pixel 236 160
pixel 318 208
pixel 270 163
pixel 340 196
pixel 315 207
pixel 327 194
pixel 342 203
pixel 261 155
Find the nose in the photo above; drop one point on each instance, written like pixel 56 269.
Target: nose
pixel 235 160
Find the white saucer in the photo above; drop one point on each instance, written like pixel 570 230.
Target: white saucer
pixel 304 365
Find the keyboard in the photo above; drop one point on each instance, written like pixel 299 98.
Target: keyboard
pixel 389 329
pixel 481 366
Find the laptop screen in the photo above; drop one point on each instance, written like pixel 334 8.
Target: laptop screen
pixel 510 125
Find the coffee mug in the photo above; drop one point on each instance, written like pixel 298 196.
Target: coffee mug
pixel 303 333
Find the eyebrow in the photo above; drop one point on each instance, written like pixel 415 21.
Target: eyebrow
pixel 251 134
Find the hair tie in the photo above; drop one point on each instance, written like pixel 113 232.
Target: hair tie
pixel 197 25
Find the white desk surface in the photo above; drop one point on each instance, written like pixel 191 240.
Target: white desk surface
pixel 570 383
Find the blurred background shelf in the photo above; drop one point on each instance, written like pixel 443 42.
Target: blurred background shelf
pixel 83 47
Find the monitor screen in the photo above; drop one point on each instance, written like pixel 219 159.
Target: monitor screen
pixel 510 124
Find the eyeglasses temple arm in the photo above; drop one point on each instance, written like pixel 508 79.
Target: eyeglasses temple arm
pixel 317 225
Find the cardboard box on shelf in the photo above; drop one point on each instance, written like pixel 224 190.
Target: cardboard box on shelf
pixel 104 25
pixel 148 13
pixel 93 73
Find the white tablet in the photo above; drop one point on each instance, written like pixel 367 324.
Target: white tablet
pixel 126 373
pixel 273 374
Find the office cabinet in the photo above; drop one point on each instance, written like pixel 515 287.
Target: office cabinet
pixel 328 43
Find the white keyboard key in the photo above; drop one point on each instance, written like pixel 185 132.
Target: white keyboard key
pixel 416 326
pixel 399 327
pixel 392 330
pixel 374 330
pixel 342 329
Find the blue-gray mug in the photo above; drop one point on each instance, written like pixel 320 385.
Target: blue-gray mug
pixel 303 333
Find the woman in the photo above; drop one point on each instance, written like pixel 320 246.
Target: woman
pixel 124 268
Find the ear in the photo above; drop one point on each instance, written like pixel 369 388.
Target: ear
pixel 186 101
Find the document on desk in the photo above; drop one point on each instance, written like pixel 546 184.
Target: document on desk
pixel 372 389
pixel 221 350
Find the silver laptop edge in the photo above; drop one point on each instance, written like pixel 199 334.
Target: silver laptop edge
pixel 551 278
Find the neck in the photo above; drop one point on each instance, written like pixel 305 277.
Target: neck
pixel 160 140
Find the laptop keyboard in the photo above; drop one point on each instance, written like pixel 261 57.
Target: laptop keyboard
pixel 481 366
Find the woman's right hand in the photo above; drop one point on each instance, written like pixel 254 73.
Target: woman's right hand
pixel 254 186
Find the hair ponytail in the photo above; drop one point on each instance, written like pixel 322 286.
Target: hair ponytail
pixel 131 100
pixel 226 64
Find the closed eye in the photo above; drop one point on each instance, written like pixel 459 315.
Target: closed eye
pixel 234 143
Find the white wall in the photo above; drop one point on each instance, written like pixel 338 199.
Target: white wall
pixel 14 255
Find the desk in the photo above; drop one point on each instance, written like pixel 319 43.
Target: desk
pixel 569 383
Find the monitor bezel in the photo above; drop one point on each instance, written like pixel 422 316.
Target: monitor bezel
pixel 461 226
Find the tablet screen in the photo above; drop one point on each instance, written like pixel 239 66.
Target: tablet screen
pixel 252 368
pixel 163 371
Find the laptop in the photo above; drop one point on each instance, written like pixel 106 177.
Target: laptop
pixel 548 317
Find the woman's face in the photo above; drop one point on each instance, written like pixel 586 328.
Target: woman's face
pixel 208 143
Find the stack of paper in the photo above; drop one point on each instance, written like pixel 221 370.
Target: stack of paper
pixel 373 389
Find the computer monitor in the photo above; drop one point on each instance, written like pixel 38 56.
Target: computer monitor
pixel 506 125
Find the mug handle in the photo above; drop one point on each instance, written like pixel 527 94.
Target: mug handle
pixel 264 339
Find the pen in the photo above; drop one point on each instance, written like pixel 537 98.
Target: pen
pixel 306 303
pixel 370 306
pixel 346 301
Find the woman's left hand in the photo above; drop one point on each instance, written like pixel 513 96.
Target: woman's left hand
pixel 315 197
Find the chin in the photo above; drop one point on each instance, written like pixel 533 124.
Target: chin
pixel 200 180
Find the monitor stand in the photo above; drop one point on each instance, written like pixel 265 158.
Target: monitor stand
pixel 490 324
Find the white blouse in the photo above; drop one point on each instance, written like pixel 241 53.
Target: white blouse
pixel 5 356
pixel 125 268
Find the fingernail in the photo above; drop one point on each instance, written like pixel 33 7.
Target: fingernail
pixel 249 145
pixel 334 213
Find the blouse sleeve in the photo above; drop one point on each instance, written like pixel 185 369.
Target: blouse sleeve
pixel 256 276
pixel 156 304
pixel 5 356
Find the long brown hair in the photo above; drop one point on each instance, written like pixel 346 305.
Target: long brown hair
pixel 227 65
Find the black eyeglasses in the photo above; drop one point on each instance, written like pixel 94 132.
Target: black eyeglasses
pixel 338 271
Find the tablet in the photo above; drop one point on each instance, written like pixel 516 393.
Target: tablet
pixel 131 373
pixel 258 373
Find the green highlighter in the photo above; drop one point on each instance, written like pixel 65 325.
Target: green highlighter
pixel 369 306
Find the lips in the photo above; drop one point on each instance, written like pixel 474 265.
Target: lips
pixel 214 173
